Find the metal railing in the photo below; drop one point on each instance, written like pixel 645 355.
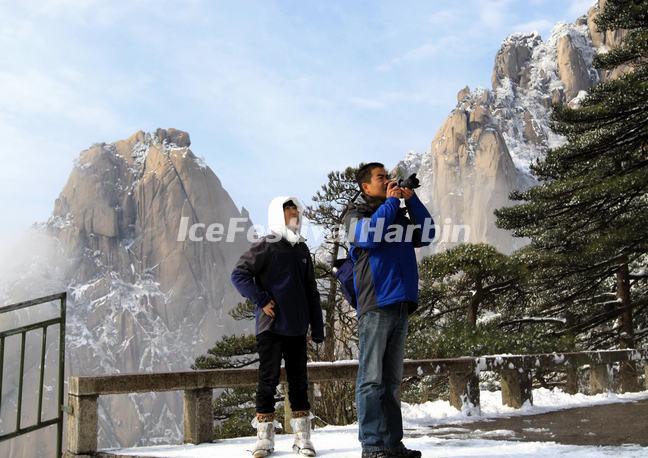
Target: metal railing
pixel 23 331
pixel 515 374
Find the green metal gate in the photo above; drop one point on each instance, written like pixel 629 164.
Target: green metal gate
pixel 23 331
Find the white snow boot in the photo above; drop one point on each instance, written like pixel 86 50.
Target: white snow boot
pixel 301 425
pixel 264 424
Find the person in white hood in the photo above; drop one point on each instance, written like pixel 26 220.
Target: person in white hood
pixel 277 275
pixel 285 218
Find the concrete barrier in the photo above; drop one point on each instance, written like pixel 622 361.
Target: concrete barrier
pixel 516 374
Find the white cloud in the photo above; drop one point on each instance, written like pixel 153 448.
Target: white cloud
pixel 580 7
pixel 271 116
pixel 422 52
pixel 429 97
pixel 541 26
pixel 54 103
pixel 34 93
pixel 493 14
pixel 442 17
pixel 35 167
pixel 370 104
pixel 384 100
pixel 79 12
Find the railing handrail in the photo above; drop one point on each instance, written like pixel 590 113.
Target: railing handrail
pixel 29 303
pixel 43 325
pixel 225 378
pixel 515 372
pixel 100 385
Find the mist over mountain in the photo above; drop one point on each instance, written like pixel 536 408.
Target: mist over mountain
pixel 139 300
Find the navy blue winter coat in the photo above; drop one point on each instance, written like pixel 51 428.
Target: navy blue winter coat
pixel 283 272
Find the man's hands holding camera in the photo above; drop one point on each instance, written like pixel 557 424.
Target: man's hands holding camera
pixel 393 190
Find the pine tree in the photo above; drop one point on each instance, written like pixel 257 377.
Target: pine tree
pixel 327 212
pixel 233 407
pixel 335 401
pixel 471 299
pixel 588 218
pixel 467 278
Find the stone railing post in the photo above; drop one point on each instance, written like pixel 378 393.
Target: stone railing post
pixel 571 384
pixel 628 377
pixel 81 425
pixel 600 380
pixel 646 374
pixel 464 392
pixel 198 416
pixel 516 387
pixel 311 393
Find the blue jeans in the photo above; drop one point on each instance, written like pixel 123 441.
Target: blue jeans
pixel 380 373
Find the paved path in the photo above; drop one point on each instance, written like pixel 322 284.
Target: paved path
pixel 602 425
pixel 609 424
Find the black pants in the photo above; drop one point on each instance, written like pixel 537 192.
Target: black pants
pixel 272 348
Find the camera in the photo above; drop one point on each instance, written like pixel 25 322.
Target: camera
pixel 411 182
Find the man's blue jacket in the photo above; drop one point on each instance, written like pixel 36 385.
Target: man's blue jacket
pixel 383 237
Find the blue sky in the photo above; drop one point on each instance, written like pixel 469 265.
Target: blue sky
pixel 273 93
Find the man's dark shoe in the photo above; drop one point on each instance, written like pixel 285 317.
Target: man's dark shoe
pixel 403 452
pixel 378 454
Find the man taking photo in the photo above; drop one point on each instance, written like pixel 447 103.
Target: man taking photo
pixel 383 237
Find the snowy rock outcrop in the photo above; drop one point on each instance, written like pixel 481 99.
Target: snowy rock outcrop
pixel 572 68
pixel 144 297
pixel 513 58
pixel 486 146
pixel 609 38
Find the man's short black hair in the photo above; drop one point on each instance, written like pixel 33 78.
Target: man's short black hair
pixel 364 172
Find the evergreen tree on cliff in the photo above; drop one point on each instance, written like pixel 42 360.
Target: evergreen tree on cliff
pixel 588 219
pixel 233 407
pixel 329 204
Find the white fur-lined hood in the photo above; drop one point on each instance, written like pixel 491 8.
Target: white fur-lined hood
pixel 276 221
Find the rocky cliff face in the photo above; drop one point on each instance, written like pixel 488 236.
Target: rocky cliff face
pixel 484 149
pixel 140 299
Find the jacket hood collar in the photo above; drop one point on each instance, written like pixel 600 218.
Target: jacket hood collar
pixel 277 224
pixel 372 202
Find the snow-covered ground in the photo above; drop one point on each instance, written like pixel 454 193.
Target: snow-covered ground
pixel 434 413
pixel 341 441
